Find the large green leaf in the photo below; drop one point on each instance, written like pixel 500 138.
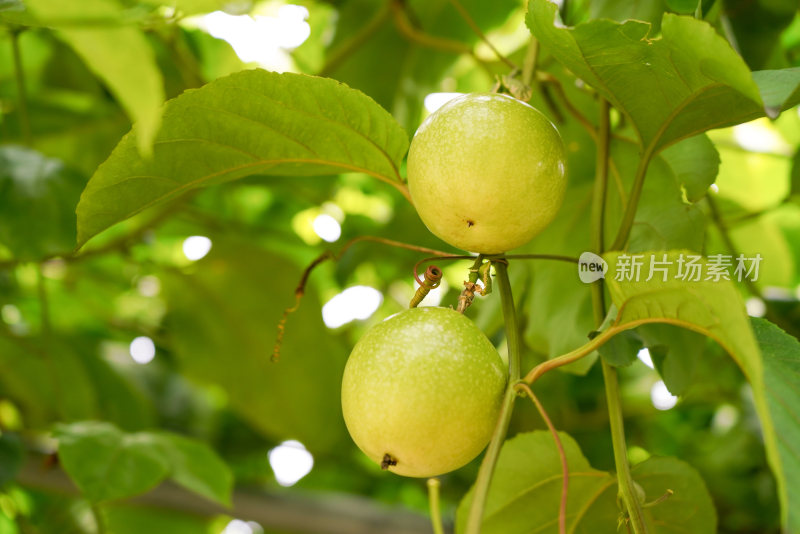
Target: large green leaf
pixel 713 308
pixel 117 53
pixel 37 202
pixel 107 464
pixel 526 493
pixel 688 509
pixel 251 122
pixel 685 82
pixel 222 325
pixel 526 486
pixel 781 354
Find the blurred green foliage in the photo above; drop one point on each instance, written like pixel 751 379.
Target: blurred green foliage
pixel 209 407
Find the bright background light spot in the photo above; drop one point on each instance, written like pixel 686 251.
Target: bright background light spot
pixel 327 227
pixel 357 302
pixel 10 314
pixel 436 100
pixel 262 39
pixel 196 247
pixel 724 419
pixel 714 188
pixel 644 356
pixel 149 286
pixel 661 397
pixel 290 461
pixel 142 349
pixel 759 136
pixel 755 307
pixel 237 526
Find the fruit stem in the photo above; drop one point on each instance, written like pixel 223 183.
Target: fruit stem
pixel 433 502
pixel 610 378
pixel 486 470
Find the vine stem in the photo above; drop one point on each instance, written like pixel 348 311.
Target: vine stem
pixel 433 502
pixel 475 28
pixel 633 200
pixel 562 509
pixel 19 74
pixel 489 462
pixel 353 43
pixel 610 378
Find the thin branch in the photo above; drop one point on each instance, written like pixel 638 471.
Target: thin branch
pixel 562 509
pixel 553 82
pixel 407 29
pixel 355 41
pixel 475 28
pixel 299 291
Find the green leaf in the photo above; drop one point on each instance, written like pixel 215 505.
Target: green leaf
pixel 664 220
pixel 223 322
pixel 621 350
pixel 526 487
pixel 686 82
pixel 674 352
pixel 107 464
pixel 251 122
pixel 781 353
pixel 780 89
pixel 118 54
pixel 195 466
pixel 712 308
pixel 12 456
pixel 37 203
pixel 526 492
pixel 688 510
pixel 695 162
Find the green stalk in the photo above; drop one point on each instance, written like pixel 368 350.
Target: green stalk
pixel 624 477
pixel 433 502
pixel 486 471
pixel 633 201
pixel 610 378
pixel 510 318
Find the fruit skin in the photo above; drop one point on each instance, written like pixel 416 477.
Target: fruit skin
pixel 487 172
pixel 424 386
